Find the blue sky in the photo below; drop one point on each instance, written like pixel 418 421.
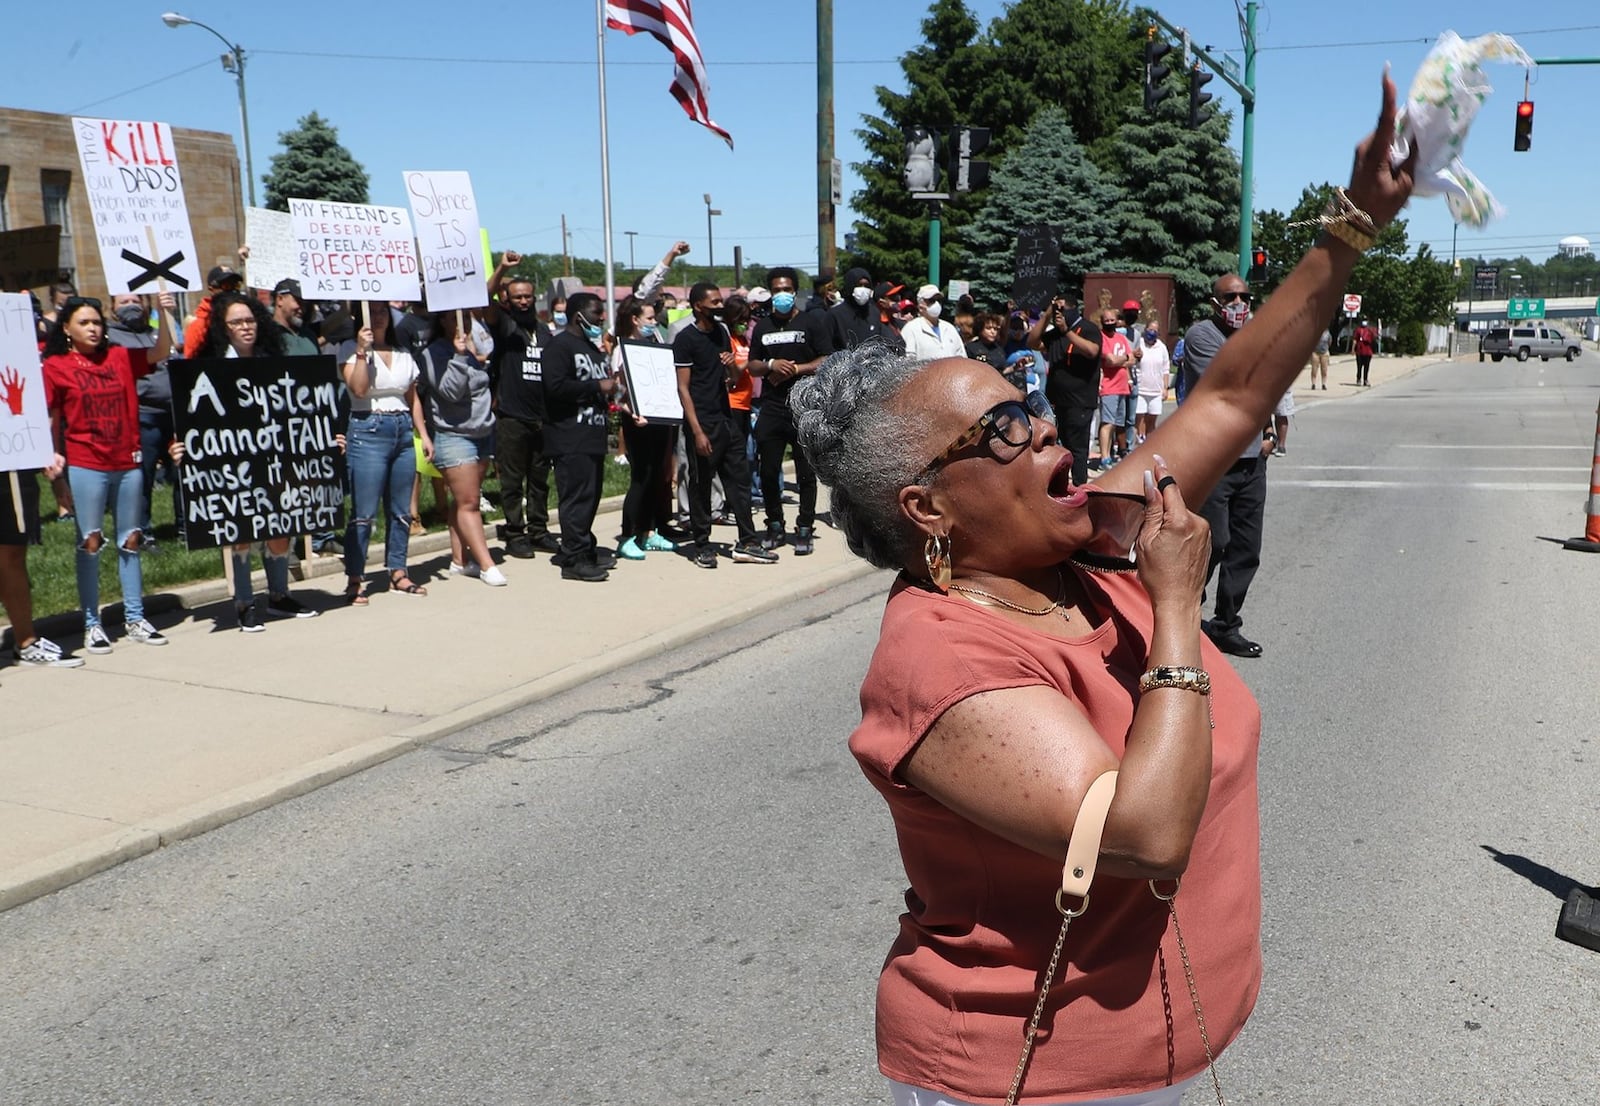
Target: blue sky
pixel 508 92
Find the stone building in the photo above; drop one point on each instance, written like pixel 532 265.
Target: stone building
pixel 41 183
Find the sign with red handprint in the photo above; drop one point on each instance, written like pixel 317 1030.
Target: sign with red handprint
pixel 24 422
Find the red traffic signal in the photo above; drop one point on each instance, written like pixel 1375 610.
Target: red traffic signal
pixel 1523 139
pixel 1258 266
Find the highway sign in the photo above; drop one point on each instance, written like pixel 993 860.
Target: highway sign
pixel 1524 307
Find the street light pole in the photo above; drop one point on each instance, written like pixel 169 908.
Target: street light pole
pixel 711 265
pixel 235 54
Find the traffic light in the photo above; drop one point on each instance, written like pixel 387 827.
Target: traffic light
pixel 1524 137
pixel 1198 79
pixel 1155 74
pixel 966 170
pixel 1258 266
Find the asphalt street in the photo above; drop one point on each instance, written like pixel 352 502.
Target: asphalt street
pixel 673 884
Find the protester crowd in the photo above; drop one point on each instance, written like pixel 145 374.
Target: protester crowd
pixel 533 393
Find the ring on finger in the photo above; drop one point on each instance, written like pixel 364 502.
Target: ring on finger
pixel 1166 482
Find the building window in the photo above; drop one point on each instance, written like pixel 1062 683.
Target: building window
pixel 54 184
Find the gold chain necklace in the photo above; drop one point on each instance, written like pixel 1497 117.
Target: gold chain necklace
pixel 1039 612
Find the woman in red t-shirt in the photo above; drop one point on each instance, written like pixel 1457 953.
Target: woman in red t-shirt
pixel 90 387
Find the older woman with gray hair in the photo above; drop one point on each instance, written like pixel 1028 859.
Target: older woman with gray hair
pixel 1018 665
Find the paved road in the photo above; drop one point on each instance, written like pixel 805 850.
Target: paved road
pixel 672 885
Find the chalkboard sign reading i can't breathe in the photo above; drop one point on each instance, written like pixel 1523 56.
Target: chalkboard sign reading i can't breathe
pixel 261 456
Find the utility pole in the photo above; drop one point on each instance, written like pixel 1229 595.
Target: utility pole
pixel 566 254
pixel 827 255
pixel 630 234
pixel 711 265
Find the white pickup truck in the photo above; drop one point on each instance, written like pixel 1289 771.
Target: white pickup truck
pixel 1525 340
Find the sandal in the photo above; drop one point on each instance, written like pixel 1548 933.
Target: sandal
pixel 355 593
pixel 405 585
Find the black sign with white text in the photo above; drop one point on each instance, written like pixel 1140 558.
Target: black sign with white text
pixel 1037 267
pixel 260 453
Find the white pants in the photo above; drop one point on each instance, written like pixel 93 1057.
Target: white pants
pixel 906 1095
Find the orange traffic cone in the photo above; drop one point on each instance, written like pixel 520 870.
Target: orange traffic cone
pixel 1590 542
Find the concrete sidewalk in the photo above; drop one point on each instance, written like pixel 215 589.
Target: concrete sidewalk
pixel 148 746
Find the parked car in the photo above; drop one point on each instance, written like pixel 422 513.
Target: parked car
pixel 1528 340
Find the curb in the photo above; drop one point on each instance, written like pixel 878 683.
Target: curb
pixel 62 869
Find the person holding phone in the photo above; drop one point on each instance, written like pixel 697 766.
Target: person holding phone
pixel 1071 347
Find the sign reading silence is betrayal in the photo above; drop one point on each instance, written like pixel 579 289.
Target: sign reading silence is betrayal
pixel 448 238
pixel 130 174
pixel 25 441
pixel 261 459
pixel 354 251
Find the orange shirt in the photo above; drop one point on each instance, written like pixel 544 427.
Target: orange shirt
pixel 962 977
pixel 740 395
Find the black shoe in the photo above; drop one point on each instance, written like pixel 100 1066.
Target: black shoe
pixel 705 557
pixel 751 553
pixel 286 606
pixel 249 618
pixel 725 518
pixel 774 537
pixel 606 558
pixel 587 571
pixel 1231 641
pixel 547 543
pixel 803 541
pixel 520 547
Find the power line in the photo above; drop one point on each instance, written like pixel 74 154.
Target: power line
pixel 561 61
pixel 1413 41
pixel 211 59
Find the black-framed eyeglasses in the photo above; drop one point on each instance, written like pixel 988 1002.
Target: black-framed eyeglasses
pixel 75 302
pixel 1229 297
pixel 1007 428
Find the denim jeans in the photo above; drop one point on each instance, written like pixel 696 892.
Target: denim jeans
pixel 244 591
pixel 155 431
pixel 382 466
pixel 92 492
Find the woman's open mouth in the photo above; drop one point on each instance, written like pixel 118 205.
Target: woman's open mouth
pixel 1061 489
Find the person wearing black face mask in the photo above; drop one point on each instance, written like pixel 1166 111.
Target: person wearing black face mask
pixel 517 375
pixel 577 386
pixel 1071 347
pixel 783 348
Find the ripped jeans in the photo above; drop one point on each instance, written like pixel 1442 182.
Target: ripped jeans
pixel 123 492
pixel 383 466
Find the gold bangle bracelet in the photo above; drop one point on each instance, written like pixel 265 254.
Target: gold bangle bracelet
pixel 1181 677
pixel 1350 236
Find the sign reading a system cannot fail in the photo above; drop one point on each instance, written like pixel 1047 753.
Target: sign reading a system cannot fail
pixel 354 251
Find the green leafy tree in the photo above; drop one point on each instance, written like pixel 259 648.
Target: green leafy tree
pixel 314 166
pixel 1047 179
pixel 1183 187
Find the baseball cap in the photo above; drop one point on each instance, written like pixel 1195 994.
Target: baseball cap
pixel 927 292
pixel 289 287
pixel 220 275
pixel 760 295
pixel 1130 305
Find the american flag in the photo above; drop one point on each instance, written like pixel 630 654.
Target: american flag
pixel 671 23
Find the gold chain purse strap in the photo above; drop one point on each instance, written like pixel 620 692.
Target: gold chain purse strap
pixel 1083 853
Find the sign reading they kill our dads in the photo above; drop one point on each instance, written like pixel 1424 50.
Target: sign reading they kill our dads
pixel 141 223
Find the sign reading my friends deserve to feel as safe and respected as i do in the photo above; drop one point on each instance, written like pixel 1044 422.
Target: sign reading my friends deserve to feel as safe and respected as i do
pixel 25 441
pixel 141 223
pixel 354 251
pixel 446 216
pixel 260 456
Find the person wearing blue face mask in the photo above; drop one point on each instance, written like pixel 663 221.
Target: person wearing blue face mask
pixel 577 387
pixel 1155 375
pixel 784 347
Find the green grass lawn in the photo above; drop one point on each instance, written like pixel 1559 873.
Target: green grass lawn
pixel 51 565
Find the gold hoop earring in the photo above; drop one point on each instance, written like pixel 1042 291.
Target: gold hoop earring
pixel 936 555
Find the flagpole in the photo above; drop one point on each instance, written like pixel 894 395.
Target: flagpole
pixel 605 167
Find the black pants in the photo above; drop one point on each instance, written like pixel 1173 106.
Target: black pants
pixel 649 447
pixel 1363 367
pixel 1236 511
pixel 579 477
pixel 155 431
pixel 727 460
pixel 524 473
pixel 1072 430
pixel 775 432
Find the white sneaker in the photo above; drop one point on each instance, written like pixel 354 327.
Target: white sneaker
pixel 492 576
pixel 97 641
pixel 470 571
pixel 141 631
pixel 41 652
pixel 484 506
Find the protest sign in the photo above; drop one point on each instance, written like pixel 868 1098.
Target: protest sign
pixel 141 223
pixel 449 239
pixel 354 251
pixel 260 457
pixel 270 236
pixel 29 257
pixel 651 378
pixel 25 441
pixel 1037 267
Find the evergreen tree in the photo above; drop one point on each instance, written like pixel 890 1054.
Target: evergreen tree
pixel 1047 179
pixel 314 166
pixel 1182 214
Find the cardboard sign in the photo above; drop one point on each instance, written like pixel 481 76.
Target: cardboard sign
pixel 141 223
pixel 25 441
pixel 260 458
pixel 1037 267
pixel 354 251
pixel 449 239
pixel 651 377
pixel 270 235
pixel 29 257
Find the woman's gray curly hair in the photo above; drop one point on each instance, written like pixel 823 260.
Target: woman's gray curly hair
pixel 864 452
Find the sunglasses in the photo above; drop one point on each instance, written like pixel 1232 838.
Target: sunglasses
pixel 1229 297
pixel 75 302
pixel 1007 428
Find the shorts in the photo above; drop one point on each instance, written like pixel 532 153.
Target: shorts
pixel 19 513
pixel 1285 406
pixel 1147 405
pixel 450 450
pixel 1114 410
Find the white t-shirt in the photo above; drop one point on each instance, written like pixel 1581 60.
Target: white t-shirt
pixel 390 383
pixel 924 342
pixel 1155 368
